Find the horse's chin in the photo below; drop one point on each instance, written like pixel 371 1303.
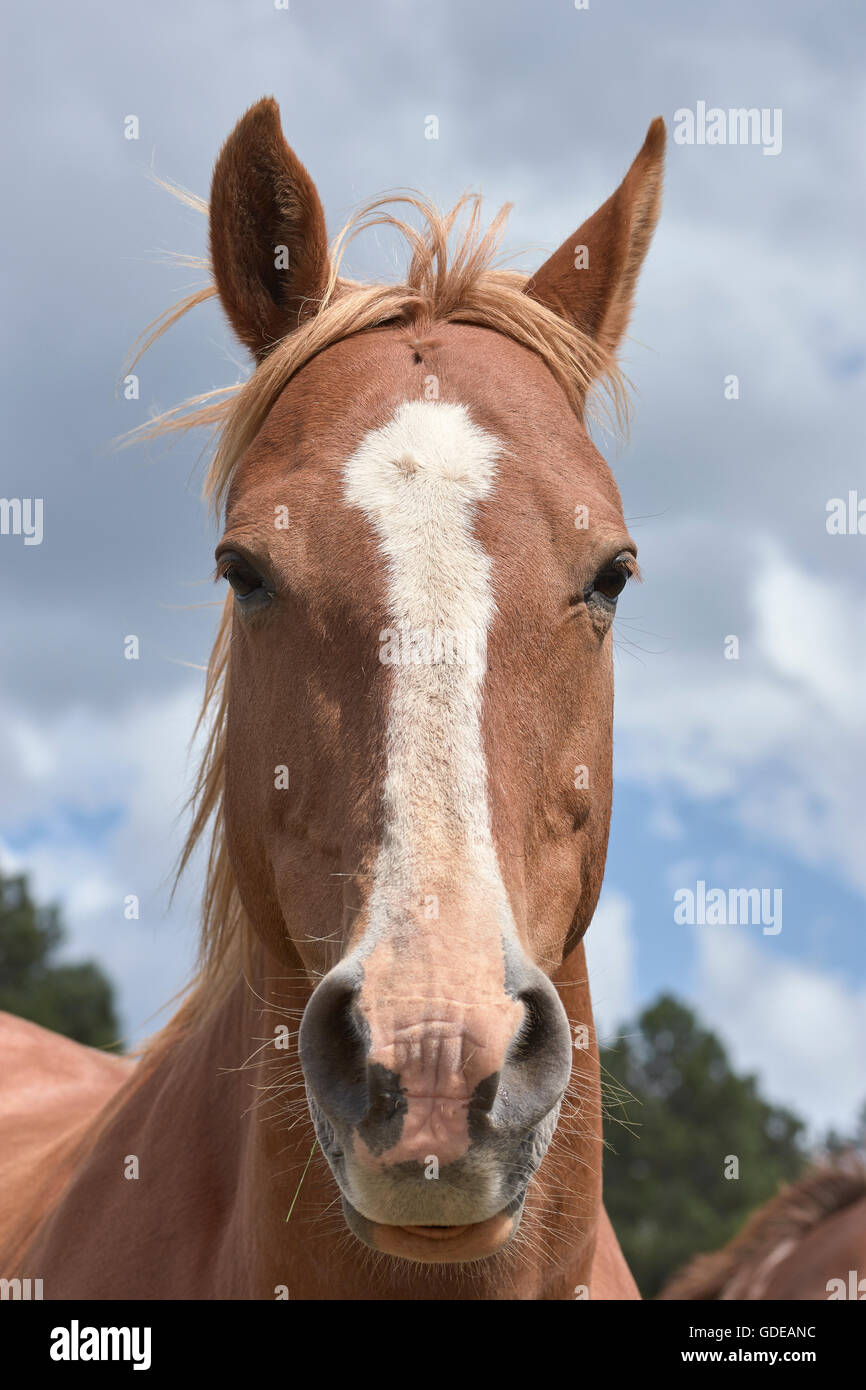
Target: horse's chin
pixel 438 1244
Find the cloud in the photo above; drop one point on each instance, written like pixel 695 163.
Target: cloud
pixel 98 803
pixel 776 736
pixel 610 955
pixel 803 1030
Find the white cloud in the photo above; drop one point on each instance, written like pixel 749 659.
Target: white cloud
pixel 664 822
pixel 610 956
pixel 803 1030
pixel 137 762
pixel 813 633
pixel 779 732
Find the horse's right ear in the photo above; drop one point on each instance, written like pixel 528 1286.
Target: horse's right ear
pixel 268 243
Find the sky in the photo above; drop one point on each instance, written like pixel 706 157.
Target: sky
pixel 740 772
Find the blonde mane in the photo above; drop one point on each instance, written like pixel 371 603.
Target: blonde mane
pixel 467 286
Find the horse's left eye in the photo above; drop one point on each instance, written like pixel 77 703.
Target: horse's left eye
pixel 610 581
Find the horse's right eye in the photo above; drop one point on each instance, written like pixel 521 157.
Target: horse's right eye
pixel 247 584
pixel 242 580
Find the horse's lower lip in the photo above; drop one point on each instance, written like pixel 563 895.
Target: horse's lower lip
pixel 435 1232
pixel 421 1244
pixel 438 1244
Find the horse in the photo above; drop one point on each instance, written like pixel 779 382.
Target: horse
pixel 383 1081
pixel 807 1242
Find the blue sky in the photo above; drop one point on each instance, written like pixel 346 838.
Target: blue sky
pixel 743 773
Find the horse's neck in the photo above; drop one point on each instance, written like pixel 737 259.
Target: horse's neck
pixel 217 1129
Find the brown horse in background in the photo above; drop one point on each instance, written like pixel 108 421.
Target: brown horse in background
pixel 384 1082
pixel 807 1242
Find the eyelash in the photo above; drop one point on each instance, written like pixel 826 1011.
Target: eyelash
pixel 622 566
pixel 257 584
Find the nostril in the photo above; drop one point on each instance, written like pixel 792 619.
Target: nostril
pixel 535 1031
pixel 538 1062
pixel 333 1050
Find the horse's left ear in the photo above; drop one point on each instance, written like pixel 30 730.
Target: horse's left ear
pixel 590 280
pixel 268 243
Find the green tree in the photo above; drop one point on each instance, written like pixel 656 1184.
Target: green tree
pixel 677 1116
pixel 77 1000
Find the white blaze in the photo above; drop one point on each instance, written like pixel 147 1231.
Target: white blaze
pixel 418 480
